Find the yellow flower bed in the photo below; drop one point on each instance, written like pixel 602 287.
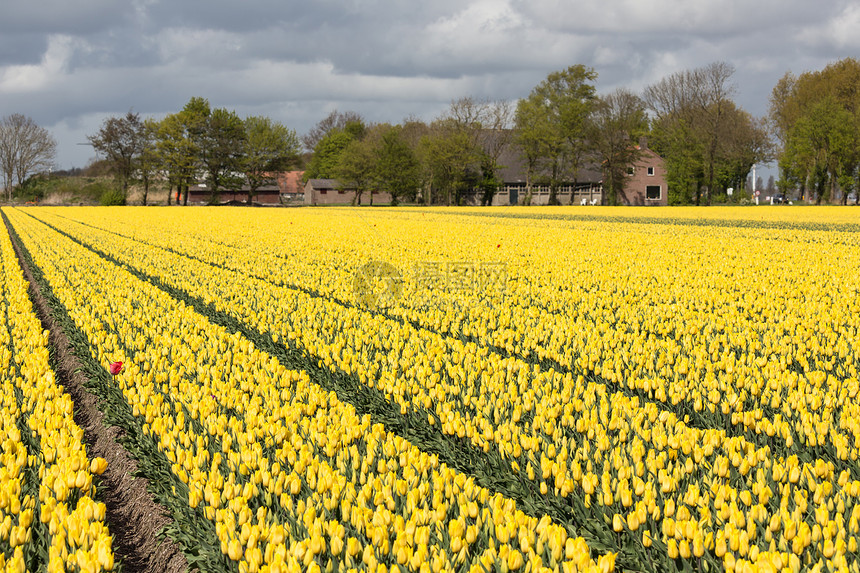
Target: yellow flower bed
pixel 696 381
pixel 46 479
pixel 755 325
pixel 290 476
pixel 728 353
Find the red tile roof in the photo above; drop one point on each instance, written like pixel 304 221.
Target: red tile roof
pixel 291 182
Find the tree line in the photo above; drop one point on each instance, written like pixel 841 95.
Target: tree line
pixel 559 129
pixel 198 142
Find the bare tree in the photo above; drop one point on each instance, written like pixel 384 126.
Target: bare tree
pixel 485 120
pixel 334 120
pixel 497 120
pixel 715 97
pixel 120 140
pixel 25 149
pixel 695 102
pixel 673 96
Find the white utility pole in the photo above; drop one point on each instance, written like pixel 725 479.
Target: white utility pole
pixel 755 194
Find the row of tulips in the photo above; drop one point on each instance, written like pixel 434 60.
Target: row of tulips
pixel 287 474
pixel 49 519
pixel 692 491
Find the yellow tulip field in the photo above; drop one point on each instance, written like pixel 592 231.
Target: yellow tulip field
pixel 444 389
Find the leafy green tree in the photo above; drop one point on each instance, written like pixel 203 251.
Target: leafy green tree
pixel 816 118
pixel 784 108
pixel 532 123
pixel 269 147
pixel 221 145
pixel 714 99
pixel 355 168
pixel 398 171
pixel 412 132
pixel 326 155
pixel 682 152
pixel 821 144
pixel 744 142
pixel 179 140
pixel 148 162
pixel 551 126
pixel 382 160
pixel 693 118
pixel 487 126
pixel 490 182
pixel 177 153
pixel 327 152
pixel 452 160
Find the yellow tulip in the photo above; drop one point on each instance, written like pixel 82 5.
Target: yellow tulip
pixel 98 466
pixel 234 549
pixel 514 560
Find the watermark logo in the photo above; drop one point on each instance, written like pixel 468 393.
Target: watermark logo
pixel 381 284
pixel 467 276
pixel 377 283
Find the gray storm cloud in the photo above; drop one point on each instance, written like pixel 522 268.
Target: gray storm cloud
pixel 70 65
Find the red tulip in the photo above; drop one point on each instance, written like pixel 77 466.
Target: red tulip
pixel 115 368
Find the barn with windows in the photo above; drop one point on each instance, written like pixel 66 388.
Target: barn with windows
pixel 646 184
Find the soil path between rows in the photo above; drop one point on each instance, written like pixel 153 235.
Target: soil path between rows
pixel 132 515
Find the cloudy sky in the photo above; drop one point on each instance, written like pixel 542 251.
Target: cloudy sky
pixel 69 64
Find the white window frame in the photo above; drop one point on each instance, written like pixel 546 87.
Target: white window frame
pixel 650 171
pixel 658 198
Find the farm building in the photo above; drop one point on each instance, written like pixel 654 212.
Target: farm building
pixel 291 187
pixel 328 192
pixel 288 189
pixel 646 185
